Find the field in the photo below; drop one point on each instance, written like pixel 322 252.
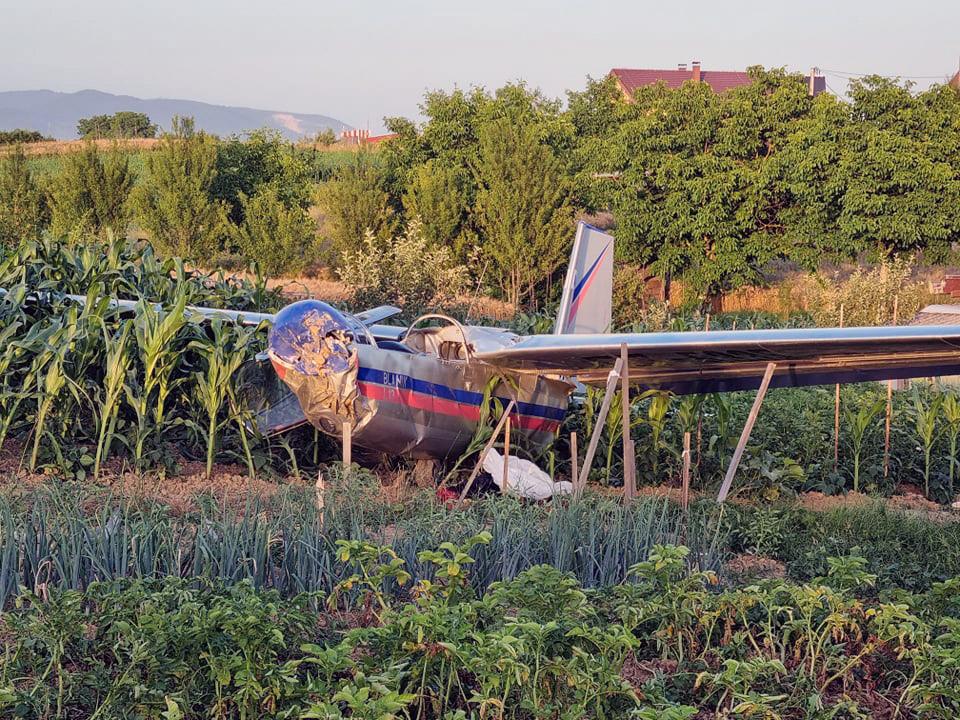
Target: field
pixel 159 559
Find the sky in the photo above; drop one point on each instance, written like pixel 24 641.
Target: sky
pixel 361 60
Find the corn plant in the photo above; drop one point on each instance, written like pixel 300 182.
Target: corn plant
pixel 223 352
pixel 859 422
pixel 656 420
pixel 925 416
pixel 951 414
pixel 115 372
pixel 155 333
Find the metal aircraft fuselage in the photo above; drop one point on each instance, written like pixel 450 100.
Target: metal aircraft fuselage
pixel 422 396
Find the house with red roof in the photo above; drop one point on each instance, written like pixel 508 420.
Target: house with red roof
pixel 630 79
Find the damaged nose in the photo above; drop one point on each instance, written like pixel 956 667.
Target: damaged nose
pixel 311 338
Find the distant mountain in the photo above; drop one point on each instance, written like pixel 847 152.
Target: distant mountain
pixel 55 114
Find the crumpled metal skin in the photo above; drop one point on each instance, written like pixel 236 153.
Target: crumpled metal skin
pixel 414 404
pixel 311 350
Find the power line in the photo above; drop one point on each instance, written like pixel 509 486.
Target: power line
pixel 847 74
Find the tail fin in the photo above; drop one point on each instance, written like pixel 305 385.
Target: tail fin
pixel 587 300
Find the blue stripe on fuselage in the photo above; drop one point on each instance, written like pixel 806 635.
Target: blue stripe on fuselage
pixel 468 397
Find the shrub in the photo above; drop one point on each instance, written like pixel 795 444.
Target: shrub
pixel 244 166
pixel 280 239
pixel 437 193
pixel 405 270
pixel 354 203
pixel 22 206
pixel 866 296
pixel 90 193
pixel 173 203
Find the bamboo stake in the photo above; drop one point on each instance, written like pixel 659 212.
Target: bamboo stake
pixel 629 459
pixel 745 434
pixel 889 418
pixel 573 458
pixel 486 449
pixel 685 488
pixel 836 416
pixel 598 427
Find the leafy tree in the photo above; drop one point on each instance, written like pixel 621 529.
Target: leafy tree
pixel 120 125
pixel 880 175
pixel 20 136
pixel 173 203
pixel 279 238
pixel 22 208
pixel 522 209
pixel 355 202
pixel 263 158
pixel 90 193
pixel 325 138
pixel 696 195
pixel 438 194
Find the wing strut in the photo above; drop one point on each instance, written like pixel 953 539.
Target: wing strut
pixel 745 435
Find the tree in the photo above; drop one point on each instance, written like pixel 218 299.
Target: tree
pixel 264 158
pixel 280 239
pixel 325 138
pixel 879 175
pixel 355 202
pixel 120 125
pixel 173 203
pixel 522 208
pixel 91 194
pixel 22 207
pixel 20 136
pixel 438 194
pixel 696 193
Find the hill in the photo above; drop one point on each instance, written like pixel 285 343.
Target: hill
pixel 56 114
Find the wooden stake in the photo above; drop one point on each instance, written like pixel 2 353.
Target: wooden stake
pixel 889 418
pixel 321 488
pixel 506 456
pixel 745 435
pixel 629 459
pixel 685 488
pixel 347 447
pixel 706 328
pixel 836 416
pixel 574 459
pixel 598 427
pixel 486 449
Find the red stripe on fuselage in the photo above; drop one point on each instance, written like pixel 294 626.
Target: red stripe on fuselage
pixel 442 406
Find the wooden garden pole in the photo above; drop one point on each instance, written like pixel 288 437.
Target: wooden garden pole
pixel 506 455
pixel 685 488
pixel 486 449
pixel 629 459
pixel 574 459
pixel 706 328
pixel 347 447
pixel 836 416
pixel 886 429
pixel 598 427
pixel 745 434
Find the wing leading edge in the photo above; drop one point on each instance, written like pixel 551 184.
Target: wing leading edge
pixel 720 361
